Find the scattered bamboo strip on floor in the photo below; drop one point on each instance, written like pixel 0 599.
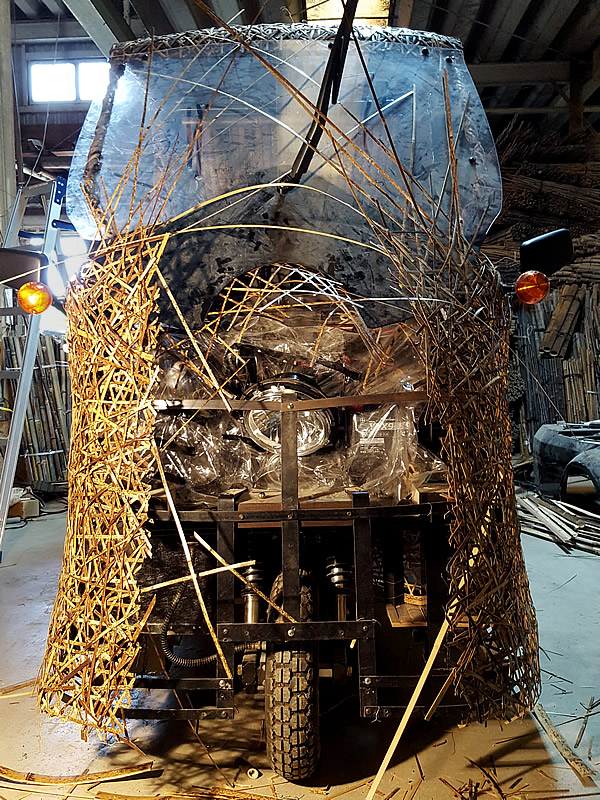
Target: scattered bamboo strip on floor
pixel 218 793
pixel 60 791
pixel 75 780
pixel 17 687
pixel 579 767
pixel 588 711
pixel 497 789
pixel 566 525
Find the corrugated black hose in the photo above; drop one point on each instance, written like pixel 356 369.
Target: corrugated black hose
pixel 164 643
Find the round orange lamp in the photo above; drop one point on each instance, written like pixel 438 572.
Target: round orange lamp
pixel 34 297
pixel 531 287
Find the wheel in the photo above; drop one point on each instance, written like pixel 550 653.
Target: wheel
pixel 292 700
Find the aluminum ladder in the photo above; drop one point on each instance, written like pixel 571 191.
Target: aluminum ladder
pixel 54 191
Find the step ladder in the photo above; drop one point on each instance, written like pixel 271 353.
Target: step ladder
pixel 54 192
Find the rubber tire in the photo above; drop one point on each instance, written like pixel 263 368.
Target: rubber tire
pixel 292 703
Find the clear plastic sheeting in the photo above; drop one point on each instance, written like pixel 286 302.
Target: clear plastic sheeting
pixel 221 99
pixel 382 447
pixel 201 459
pixel 263 426
pixel 303 343
pixel 332 353
pixel 203 455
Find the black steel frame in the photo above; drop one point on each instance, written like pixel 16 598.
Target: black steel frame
pixel 430 519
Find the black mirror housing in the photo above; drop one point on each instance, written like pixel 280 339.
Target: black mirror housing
pixel 548 252
pixel 19 265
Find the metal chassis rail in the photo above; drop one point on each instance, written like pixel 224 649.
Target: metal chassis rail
pixel 430 519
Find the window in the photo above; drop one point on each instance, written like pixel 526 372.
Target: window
pixel 51 83
pixel 92 79
pixel 368 12
pixel 66 82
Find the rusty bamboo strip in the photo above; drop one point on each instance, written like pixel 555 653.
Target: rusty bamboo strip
pixel 194 577
pixel 243 579
pixel 75 780
pixel 203 574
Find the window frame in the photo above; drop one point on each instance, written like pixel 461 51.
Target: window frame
pixel 43 60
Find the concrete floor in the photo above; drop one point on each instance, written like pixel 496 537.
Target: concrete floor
pixel 526 765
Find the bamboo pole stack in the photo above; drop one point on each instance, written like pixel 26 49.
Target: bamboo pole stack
pixel 46 431
pixel 551 182
pixel 568 526
pixel 562 324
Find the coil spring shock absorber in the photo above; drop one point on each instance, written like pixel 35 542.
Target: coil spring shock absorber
pixel 251 599
pixel 341 576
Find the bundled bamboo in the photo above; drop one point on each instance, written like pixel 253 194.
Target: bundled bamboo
pixel 47 421
pixel 567 387
pixel 568 526
pixel 564 319
pixel 553 199
pixel 550 182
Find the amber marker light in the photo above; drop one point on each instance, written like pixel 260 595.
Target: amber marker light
pixel 34 297
pixel 531 287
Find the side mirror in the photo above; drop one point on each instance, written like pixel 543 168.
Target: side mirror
pixel 548 252
pixel 19 266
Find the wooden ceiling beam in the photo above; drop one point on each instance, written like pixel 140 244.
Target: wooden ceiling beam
pixel 495 35
pixel 102 21
pixel 153 17
pixel 520 73
pixel 460 18
pixel 54 6
pixel 30 8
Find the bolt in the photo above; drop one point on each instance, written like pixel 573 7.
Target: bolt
pixel 341 633
pixel 224 631
pixel 246 634
pixel 221 695
pixel 348 513
pixel 425 51
pixel 290 516
pixel 291 632
pixel 262 494
pixel 224 714
pixel 448 59
pixel 240 516
pixel 365 629
pixel 367 681
pixel 203 715
pixel 221 684
pixel 368 711
pixel 290 405
pixel 472 160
